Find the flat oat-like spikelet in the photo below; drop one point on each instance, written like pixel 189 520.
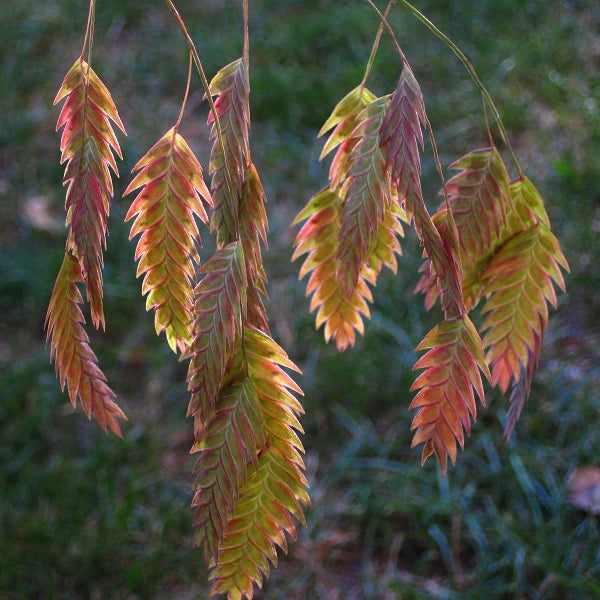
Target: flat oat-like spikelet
pixel 484 215
pixel 87 145
pixel 399 138
pixel 344 119
pixel 521 388
pixel 367 193
pixel 445 400
pixel 387 246
pixel 172 192
pixel 519 284
pixel 219 310
pixel 479 198
pixel 360 202
pixel 226 449
pixel 275 490
pixel 232 89
pixel 428 284
pixel 513 271
pixel 318 238
pixel 253 231
pixel 75 362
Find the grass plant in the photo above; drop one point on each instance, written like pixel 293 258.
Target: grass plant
pixel 88 516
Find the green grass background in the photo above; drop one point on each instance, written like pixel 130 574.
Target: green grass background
pixel 83 515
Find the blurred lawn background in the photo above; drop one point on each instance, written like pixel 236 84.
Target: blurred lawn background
pixel 83 515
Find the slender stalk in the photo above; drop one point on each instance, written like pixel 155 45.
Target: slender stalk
pixel 375 47
pixel 386 24
pixel 89 31
pixel 185 97
pixel 217 122
pixel 205 84
pixel 428 223
pixel 438 164
pixel 87 42
pixel 246 55
pixel 487 121
pixel 450 219
pixel 246 50
pixel 465 61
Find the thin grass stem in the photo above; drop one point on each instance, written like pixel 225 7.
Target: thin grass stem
pixel 89 31
pixel 185 97
pixel 386 24
pixel 246 48
pixel 438 165
pixel 472 72
pixel 375 48
pixel 213 109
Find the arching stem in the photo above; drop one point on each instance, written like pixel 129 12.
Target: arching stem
pixel 185 97
pixel 89 32
pixel 205 84
pixel 386 24
pixel 465 61
pixel 375 48
pixel 246 48
pixel 428 221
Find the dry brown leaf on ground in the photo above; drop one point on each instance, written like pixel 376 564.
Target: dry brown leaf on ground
pixel 584 489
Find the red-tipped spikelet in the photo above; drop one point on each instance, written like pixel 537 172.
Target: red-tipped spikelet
pixel 445 400
pixel 318 238
pixel 227 449
pixel 253 232
pixel 229 163
pixel 173 191
pixel 400 138
pixel 520 278
pixel 87 145
pixel 274 492
pixel 367 194
pixel 219 310
pixel 75 362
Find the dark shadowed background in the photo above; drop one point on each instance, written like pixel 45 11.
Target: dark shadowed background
pixel 83 515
